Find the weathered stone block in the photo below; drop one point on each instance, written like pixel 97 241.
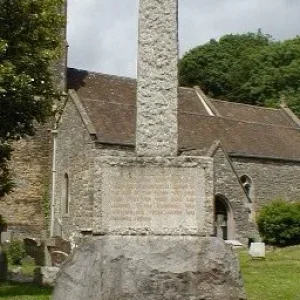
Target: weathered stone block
pixel 150 267
pixel 45 275
pixel 154 195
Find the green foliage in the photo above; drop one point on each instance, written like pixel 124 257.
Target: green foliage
pixel 15 251
pixel 279 223
pixel 249 68
pixel 6 183
pixel 30 41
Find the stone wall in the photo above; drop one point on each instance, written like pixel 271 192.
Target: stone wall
pixel 74 157
pixel 271 179
pixel 227 184
pixel 30 166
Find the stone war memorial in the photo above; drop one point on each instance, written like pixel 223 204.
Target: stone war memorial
pixel 148 229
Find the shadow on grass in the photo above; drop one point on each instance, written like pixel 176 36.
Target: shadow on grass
pixel 8 289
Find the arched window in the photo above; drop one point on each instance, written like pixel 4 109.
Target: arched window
pixel 248 185
pixel 66 193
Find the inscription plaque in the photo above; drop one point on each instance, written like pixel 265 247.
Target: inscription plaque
pixel 156 199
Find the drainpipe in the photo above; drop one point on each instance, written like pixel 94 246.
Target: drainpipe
pixel 54 132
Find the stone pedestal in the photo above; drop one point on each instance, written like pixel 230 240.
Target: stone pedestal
pixel 151 267
pixel 153 216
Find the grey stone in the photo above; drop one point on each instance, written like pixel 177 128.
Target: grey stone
pixel 6 236
pixel 154 197
pixel 257 250
pixel 17 270
pixel 234 243
pixel 45 275
pixel 156 132
pixel 150 267
pixel 58 257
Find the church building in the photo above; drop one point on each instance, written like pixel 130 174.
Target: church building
pixel 250 156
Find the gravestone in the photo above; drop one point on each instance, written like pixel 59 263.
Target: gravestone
pixel 6 237
pixel 257 250
pixel 154 212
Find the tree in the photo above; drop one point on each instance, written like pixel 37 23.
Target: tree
pixel 250 68
pixel 30 41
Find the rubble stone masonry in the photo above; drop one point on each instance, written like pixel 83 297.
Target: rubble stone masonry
pixel 226 183
pixel 271 179
pixel 30 166
pixel 74 157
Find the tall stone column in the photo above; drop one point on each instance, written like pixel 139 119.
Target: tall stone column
pixel 157 81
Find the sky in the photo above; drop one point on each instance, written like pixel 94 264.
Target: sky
pixel 102 34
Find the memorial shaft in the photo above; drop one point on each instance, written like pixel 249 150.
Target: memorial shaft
pixel 157 80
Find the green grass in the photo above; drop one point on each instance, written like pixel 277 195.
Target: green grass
pixel 275 278
pixel 27 267
pixel 25 291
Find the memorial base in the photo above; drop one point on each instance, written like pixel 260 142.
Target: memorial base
pixel 150 267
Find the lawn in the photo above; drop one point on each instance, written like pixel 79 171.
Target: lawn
pixel 24 291
pixel 18 291
pixel 275 278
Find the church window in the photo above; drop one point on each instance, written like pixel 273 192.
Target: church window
pixel 66 194
pixel 248 185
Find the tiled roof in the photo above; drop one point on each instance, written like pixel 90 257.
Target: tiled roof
pixel 251 113
pixel 239 137
pixel 242 129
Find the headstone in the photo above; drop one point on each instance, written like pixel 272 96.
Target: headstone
pixel 6 236
pixel 257 250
